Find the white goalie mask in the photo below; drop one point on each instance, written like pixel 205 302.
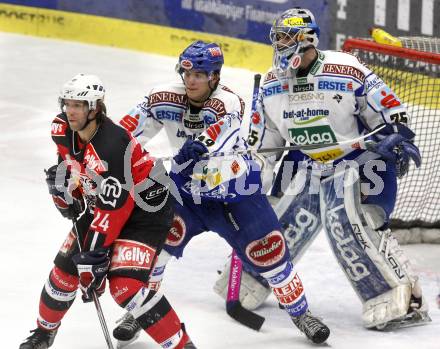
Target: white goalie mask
pixel 293 32
pixel 83 87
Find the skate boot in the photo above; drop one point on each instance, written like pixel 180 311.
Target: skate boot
pixel 312 327
pixel 127 331
pixel 40 339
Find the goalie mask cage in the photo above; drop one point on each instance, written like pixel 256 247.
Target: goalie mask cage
pixel 413 72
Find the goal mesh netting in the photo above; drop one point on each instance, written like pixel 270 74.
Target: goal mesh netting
pixel 413 72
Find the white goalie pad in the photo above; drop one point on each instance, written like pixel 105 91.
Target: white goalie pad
pixel 298 211
pixel 371 259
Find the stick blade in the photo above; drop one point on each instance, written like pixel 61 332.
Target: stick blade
pixel 244 316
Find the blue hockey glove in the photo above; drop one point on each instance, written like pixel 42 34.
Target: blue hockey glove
pixel 69 205
pixel 400 151
pixel 92 270
pixel 191 150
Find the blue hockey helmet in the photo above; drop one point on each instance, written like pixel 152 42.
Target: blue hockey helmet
pixel 294 31
pixel 207 57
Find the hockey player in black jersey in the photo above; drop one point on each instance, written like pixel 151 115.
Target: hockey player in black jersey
pixel 119 200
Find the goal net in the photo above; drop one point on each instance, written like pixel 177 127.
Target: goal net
pixel 413 72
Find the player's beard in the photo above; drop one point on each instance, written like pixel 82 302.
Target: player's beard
pixel 78 125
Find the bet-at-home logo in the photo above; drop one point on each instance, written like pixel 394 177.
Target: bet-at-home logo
pixel 312 135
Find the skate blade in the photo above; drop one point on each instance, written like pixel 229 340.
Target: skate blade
pixel 122 344
pixel 411 320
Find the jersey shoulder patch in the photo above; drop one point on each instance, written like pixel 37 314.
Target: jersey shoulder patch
pixel 59 126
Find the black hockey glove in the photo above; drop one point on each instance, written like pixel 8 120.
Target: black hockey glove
pixel 92 270
pixel 70 205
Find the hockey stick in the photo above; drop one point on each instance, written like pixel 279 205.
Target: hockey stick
pixel 233 305
pixel 355 143
pixel 95 298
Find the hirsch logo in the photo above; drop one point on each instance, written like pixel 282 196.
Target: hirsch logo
pixel 186 64
pixel 130 254
pixel 312 135
pixel 111 190
pixel 303 88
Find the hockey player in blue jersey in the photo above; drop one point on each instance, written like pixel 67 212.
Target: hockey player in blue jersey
pixel 324 99
pixel 218 193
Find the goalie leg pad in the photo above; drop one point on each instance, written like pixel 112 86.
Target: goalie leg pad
pixel 299 214
pixel 374 265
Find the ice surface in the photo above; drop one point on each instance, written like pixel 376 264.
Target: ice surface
pixel 31 72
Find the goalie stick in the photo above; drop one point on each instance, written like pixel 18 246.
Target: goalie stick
pixel 233 305
pixel 95 298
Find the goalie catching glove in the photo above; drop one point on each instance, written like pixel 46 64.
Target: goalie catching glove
pixel 92 270
pixel 70 205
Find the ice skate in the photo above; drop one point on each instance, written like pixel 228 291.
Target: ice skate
pixel 127 331
pixel 312 327
pixel 39 339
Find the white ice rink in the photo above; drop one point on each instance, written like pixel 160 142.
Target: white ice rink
pixel 31 73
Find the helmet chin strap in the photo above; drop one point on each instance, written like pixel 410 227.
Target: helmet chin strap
pixel 88 121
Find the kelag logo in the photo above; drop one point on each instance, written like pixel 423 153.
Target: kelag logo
pixel 312 135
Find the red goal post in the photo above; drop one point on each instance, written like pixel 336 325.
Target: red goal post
pixel 413 72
